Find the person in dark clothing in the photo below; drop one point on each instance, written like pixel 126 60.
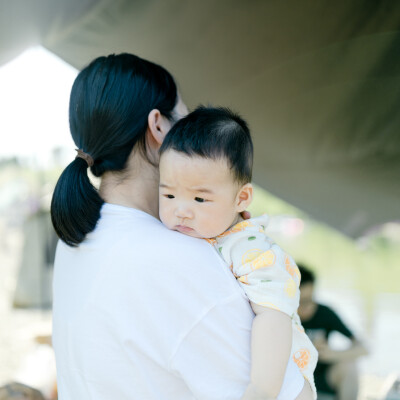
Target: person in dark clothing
pixel 336 371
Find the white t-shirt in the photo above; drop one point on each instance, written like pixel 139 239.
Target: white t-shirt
pixel 142 312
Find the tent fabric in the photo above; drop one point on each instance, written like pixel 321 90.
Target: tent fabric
pixel 318 81
pixel 25 23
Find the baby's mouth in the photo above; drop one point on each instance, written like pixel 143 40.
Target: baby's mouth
pixel 183 229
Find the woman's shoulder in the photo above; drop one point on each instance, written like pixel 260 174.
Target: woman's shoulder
pixel 177 246
pixel 127 231
pixel 131 237
pixel 170 259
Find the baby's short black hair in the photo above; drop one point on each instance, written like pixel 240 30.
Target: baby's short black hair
pixel 215 133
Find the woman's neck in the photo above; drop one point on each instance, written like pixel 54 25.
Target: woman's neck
pixel 136 187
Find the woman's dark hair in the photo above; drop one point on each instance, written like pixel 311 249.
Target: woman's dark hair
pixel 109 105
pixel 214 132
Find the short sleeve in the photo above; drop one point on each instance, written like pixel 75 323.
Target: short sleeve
pixel 213 359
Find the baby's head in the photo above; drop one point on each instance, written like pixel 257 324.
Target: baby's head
pixel 205 172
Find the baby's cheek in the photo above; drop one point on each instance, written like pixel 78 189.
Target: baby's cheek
pixel 216 225
pixel 165 215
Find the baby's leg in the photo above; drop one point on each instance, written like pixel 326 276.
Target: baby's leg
pixel 306 393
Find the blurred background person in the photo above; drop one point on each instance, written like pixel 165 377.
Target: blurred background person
pixel 336 372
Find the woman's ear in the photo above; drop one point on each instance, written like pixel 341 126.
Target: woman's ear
pixel 244 197
pixel 157 127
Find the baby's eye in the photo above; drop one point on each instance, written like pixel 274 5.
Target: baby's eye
pixel 200 200
pixel 169 196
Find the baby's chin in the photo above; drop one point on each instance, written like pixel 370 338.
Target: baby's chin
pixel 210 234
pixel 196 234
pixel 207 234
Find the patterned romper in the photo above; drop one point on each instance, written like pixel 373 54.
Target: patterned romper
pixel 270 278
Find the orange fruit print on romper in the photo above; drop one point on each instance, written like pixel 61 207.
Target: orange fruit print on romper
pixel 291 268
pixel 302 358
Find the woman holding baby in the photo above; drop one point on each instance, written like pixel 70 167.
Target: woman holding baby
pixel 140 311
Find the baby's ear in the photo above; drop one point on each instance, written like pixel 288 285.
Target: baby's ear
pixel 244 197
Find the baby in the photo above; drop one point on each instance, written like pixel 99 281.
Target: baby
pixel 205 174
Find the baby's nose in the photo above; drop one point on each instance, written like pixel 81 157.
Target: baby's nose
pixel 183 212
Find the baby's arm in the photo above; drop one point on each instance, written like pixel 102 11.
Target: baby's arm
pixel 271 343
pixel 270 279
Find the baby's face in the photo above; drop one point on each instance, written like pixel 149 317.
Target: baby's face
pixel 198 196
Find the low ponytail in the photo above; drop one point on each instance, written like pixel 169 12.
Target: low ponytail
pixel 76 204
pixel 109 105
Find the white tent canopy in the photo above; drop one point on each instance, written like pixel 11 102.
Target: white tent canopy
pixel 318 81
